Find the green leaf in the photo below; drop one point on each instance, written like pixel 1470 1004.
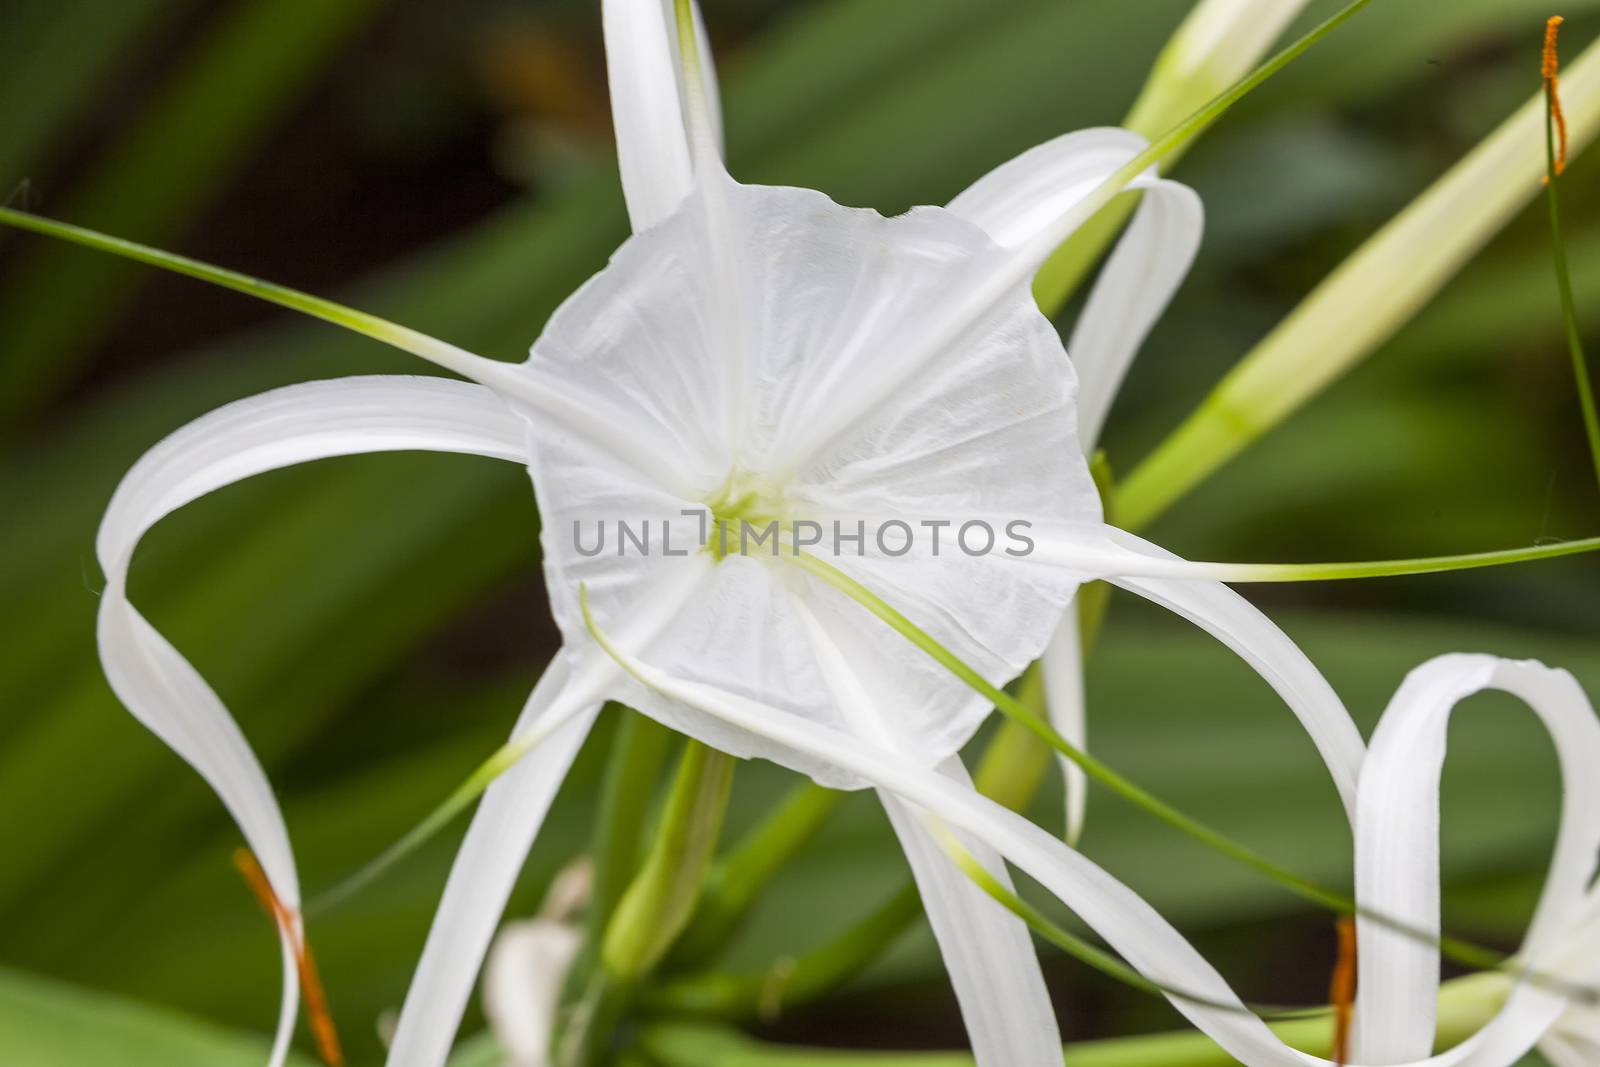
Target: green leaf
pixel 44 1023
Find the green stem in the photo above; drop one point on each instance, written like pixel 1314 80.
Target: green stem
pixel 736 881
pixel 1013 765
pixel 1465 1004
pixel 791 980
pixel 632 770
pixel 1392 568
pixel 1569 311
pixel 657 905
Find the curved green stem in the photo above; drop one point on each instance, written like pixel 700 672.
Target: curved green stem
pixel 1394 568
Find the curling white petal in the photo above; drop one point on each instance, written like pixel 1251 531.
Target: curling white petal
pixel 1018 199
pixel 277 429
pixel 1240 625
pixel 522 984
pixel 1098 551
pixel 1134 288
pixel 987 951
pixel 1397 840
pixel 1062 664
pixel 648 105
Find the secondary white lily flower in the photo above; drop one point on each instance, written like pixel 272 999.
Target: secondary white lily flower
pixel 764 354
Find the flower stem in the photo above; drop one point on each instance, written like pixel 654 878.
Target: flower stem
pixel 657 905
pixel 632 769
pixel 1558 248
pixel 736 881
pixel 790 980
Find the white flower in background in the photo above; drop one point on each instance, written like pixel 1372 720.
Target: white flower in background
pixel 527 969
pixel 751 353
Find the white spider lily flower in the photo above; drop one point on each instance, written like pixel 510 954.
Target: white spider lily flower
pixel 751 353
pixel 1397 875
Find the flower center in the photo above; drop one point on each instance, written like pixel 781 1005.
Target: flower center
pixel 745 507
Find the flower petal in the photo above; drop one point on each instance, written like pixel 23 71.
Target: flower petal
pixel 566 701
pixel 1024 195
pixel 987 951
pixel 1397 844
pixel 276 429
pixel 648 104
pixel 1062 664
pixel 1136 284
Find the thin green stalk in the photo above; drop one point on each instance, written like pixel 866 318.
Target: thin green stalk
pixel 1015 762
pixel 1084 950
pixel 1465 1005
pixel 1393 568
pixel 737 880
pixel 1569 311
pixel 1180 136
pixel 459 800
pixel 361 322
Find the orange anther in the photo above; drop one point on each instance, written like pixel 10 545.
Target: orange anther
pixel 1342 992
pixel 317 1015
pixel 1550 71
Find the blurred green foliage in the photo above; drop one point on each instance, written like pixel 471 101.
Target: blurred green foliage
pixel 374 622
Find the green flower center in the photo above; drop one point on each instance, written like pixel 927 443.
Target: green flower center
pixel 744 508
